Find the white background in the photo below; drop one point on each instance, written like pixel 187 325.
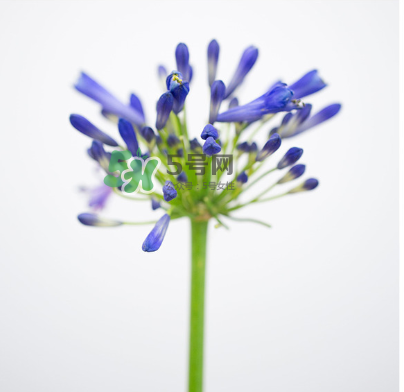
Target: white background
pixel 310 305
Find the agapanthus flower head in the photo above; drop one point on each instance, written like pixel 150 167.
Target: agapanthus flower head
pixel 222 166
pixel 155 238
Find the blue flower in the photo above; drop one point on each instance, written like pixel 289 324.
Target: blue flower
pixel 211 147
pixel 302 121
pixel 195 145
pixel 129 136
pixel 147 134
pixel 155 204
pixel 98 153
pixel 242 178
pixel 182 177
pixel 180 94
pixel 88 86
pixel 172 140
pixel 211 131
pixel 253 148
pixel 99 196
pixel 290 158
pixel 164 107
pixel 279 99
pixel 216 97
pixel 269 148
pixel 136 104
pixel 293 173
pixel 84 126
pixel 89 219
pixel 243 147
pixel 308 185
pixel 247 61
pixel 169 191
pixel 213 58
pixel 155 238
pixel 182 58
pixel 233 103
pixel 307 85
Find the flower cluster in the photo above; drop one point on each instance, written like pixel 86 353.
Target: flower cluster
pixel 229 133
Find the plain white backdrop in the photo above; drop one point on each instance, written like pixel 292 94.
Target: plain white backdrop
pixel 309 305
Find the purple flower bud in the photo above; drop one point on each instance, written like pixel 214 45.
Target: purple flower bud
pixel 136 104
pixel 213 58
pixel 155 204
pixel 233 103
pixel 195 145
pixel 169 191
pixel 172 140
pixel 307 85
pixel 180 94
pixel 211 131
pixel 147 134
pixel 182 177
pixel 129 136
pixel 290 158
pixel 164 107
pixel 84 126
pixel 243 147
pixel 211 147
pixel 89 219
pixel 182 58
pixel 155 238
pixel 242 177
pixel 269 148
pixel 293 173
pixel 308 185
pixel 216 97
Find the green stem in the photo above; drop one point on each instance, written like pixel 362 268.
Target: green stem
pixel 198 254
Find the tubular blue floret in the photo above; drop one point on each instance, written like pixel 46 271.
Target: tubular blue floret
pixel 136 104
pixel 293 173
pixel 279 99
pixel 169 191
pixel 247 61
pixel 155 204
pixel 182 58
pixel 98 196
pixel 308 84
pixel 128 135
pixel 173 140
pixel 213 58
pixel 147 134
pixel 269 148
pixel 87 128
pixel 209 131
pixel 290 158
pixel 243 147
pixel 155 238
pixel 100 155
pixel 253 148
pixel 89 87
pixel 211 147
pixel 195 145
pixel 242 178
pixel 180 94
pixel 89 219
pixel 164 107
pixel 182 177
pixel 308 185
pixel 216 97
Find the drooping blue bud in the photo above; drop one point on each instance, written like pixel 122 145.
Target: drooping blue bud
pixel 182 58
pixel 147 134
pixel 211 147
pixel 128 135
pixel 233 103
pixel 164 107
pixel 180 94
pixel 155 204
pixel 195 145
pixel 247 61
pixel 290 158
pixel 84 126
pixel 243 147
pixel 211 131
pixel 242 178
pixel 155 238
pixel 269 148
pixel 169 191
pixel 172 140
pixel 213 58
pixel 307 85
pixel 89 219
pixel 308 185
pixel 136 104
pixel 293 173
pixel 182 177
pixel 216 97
